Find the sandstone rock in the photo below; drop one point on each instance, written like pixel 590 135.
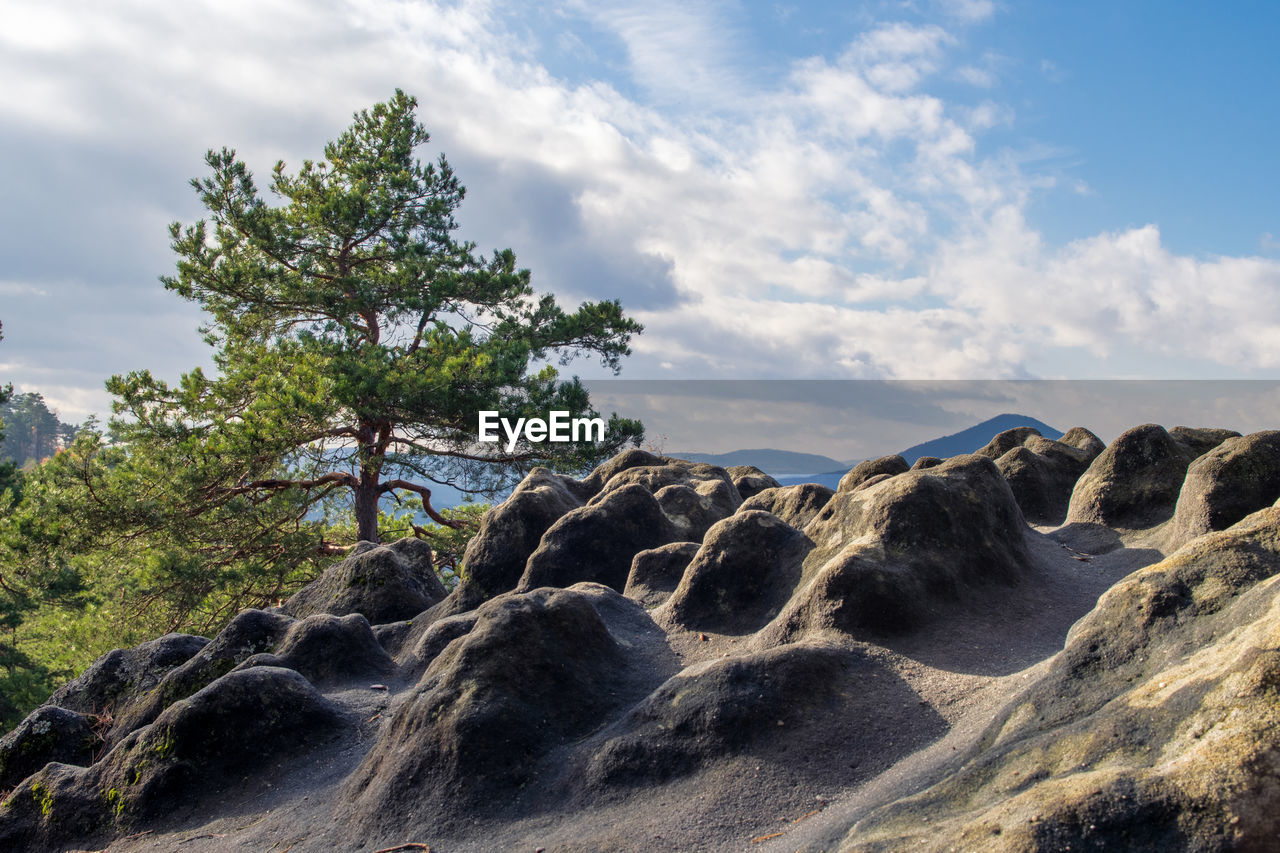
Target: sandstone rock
pixel 758 703
pixel 743 573
pixel 1239 476
pixel 117 677
pixel 1200 440
pixel 1134 482
pixel 510 532
pixel 796 505
pixel 537 670
pixel 248 634
pixel 327 650
pixel 597 542
pixel 864 471
pixel 383 583
pixel 691 513
pixel 655 573
pixel 47 734
pixel 886 559
pixel 750 480
pixel 1154 729
pixel 215 738
pixel 1042 472
pixel 631 458
pixel 1008 440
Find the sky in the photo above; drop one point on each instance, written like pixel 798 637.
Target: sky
pixel 925 190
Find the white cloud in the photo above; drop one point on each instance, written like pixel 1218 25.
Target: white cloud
pixel 969 10
pixel 837 221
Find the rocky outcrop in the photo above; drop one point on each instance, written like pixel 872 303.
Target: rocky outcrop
pixel 535 671
pixel 750 480
pixel 328 651
pixel 743 573
pixel 49 733
pixel 121 675
pixel 1042 473
pixel 656 573
pixel 510 532
pixel 597 542
pixel 1239 476
pixel 796 505
pixel 906 647
pixel 1135 482
pixel 888 558
pixel 383 583
pixel 1145 733
pixel 248 634
pixel 859 474
pixel 217 737
pixel 761 703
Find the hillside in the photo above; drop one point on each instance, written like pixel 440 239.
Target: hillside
pixel 1045 645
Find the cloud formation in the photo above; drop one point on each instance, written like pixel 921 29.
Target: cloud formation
pixel 836 219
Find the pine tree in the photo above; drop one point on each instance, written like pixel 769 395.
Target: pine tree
pixel 356 339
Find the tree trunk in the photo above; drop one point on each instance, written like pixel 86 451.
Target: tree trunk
pixel 367 493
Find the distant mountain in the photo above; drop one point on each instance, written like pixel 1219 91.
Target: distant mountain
pixel 966 441
pixel 975 437
pixel 774 462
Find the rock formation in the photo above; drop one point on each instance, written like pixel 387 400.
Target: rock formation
pixel 670 655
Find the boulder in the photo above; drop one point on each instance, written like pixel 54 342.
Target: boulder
pixel 328 650
pixel 864 471
pixel 926 462
pixel 796 505
pixel 383 583
pixel 121 674
pixel 1239 476
pixel 227 732
pixel 249 633
pixel 1042 472
pixel 510 532
pixel 1200 440
pixel 886 559
pixel 1003 442
pixel 537 670
pixel 1134 483
pixel 743 573
pixel 597 542
pixel 1082 439
pixel 47 734
pixel 691 513
pixel 775 705
pixel 655 573
pixel 750 480
pixel 631 458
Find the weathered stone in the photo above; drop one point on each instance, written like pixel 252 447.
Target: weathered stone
pixel 655 573
pixel 744 572
pixel 796 505
pixel 864 471
pixel 597 542
pixel 47 734
pixel 1239 476
pixel 750 480
pixel 383 583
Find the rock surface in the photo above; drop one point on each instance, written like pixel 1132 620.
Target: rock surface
pixel 383 583
pixel 900 664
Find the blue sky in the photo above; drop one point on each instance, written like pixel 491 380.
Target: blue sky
pixel 938 189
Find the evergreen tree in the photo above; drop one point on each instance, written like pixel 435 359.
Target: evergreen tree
pixel 356 339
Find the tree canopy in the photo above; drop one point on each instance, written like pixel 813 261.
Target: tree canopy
pixel 355 340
